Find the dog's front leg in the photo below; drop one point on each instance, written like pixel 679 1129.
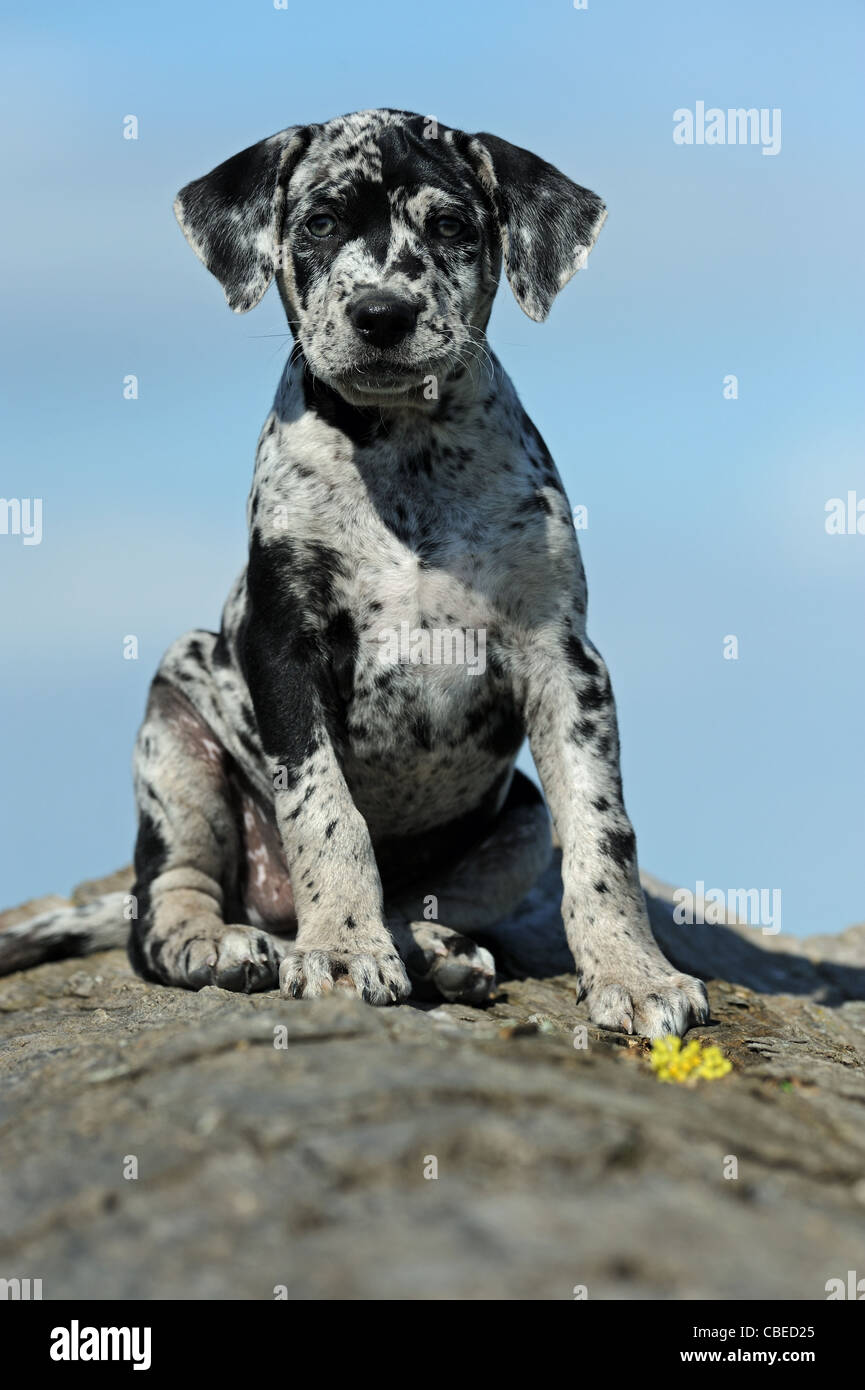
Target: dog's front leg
pixel 625 979
pixel 343 940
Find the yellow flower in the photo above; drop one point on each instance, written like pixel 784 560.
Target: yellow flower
pixel 714 1064
pixel 673 1062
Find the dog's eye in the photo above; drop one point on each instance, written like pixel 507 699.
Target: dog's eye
pixel 447 227
pixel 321 224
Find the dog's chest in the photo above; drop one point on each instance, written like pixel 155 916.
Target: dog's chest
pixel 422 609
pixel 427 730
pixel 429 556
pixel 429 718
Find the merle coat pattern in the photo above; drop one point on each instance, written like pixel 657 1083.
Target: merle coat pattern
pixel 301 801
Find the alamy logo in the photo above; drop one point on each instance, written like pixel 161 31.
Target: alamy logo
pixel 76 1343
pixel 735 126
pixel 21 516
pixel 853 1289
pixel 434 646
pixel 20 1290
pixel 711 907
pixel 845 517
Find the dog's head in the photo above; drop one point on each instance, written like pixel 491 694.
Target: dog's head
pixel 386 233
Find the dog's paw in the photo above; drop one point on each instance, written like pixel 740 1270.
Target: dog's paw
pixel 656 1006
pixel 376 979
pixel 444 962
pixel 242 959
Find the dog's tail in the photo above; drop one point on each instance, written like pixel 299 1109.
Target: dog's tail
pixel 64 932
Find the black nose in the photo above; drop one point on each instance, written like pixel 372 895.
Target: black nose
pixel 383 319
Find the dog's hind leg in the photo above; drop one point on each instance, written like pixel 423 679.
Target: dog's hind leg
pixel 188 858
pixel 476 892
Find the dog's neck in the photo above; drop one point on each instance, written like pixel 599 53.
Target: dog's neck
pixel 396 450
pixel 460 392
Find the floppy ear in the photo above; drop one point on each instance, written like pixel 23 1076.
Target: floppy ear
pixel 548 225
pixel 232 217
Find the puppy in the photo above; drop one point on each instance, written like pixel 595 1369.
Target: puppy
pixel 326 788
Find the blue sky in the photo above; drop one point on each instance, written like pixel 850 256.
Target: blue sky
pixel 706 516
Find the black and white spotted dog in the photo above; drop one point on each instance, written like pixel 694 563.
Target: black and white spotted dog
pixel 302 800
